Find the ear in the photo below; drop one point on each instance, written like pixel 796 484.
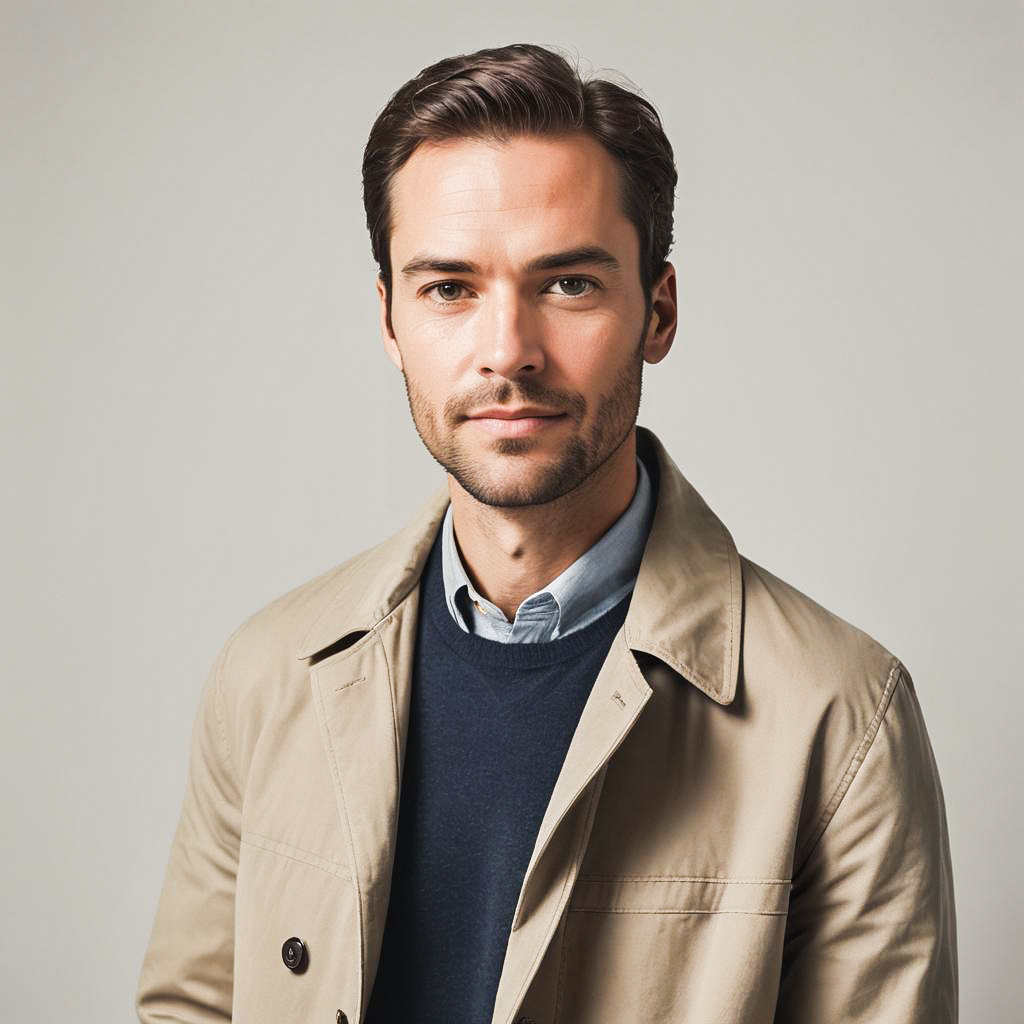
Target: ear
pixel 390 342
pixel 664 316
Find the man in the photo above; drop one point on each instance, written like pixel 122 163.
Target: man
pixel 555 752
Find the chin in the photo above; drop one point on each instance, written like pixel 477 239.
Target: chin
pixel 507 484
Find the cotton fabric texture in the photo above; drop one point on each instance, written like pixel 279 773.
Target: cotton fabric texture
pixel 748 825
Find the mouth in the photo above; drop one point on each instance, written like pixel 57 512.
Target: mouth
pixel 522 422
pixel 504 412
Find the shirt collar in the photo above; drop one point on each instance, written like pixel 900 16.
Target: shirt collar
pixel 602 574
pixel 691 621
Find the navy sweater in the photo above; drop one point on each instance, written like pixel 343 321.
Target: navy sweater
pixel 489 727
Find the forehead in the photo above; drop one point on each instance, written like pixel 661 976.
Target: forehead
pixel 512 197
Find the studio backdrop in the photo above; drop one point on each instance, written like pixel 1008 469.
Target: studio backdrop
pixel 192 373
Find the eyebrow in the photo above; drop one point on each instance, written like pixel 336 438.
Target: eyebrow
pixel 581 255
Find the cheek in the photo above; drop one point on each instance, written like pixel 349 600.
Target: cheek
pixel 440 356
pixel 588 351
pixel 427 374
pixel 421 376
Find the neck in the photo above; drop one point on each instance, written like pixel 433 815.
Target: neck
pixel 510 553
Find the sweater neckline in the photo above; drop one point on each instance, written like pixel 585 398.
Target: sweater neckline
pixel 485 653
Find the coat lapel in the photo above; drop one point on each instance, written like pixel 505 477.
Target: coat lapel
pixel 360 649
pixel 362 701
pixel 618 696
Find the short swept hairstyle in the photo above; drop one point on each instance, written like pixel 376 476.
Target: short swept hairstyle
pixel 519 90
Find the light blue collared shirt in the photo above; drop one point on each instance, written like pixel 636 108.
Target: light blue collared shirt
pixel 601 577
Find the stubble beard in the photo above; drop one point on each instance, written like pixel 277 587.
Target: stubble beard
pixel 579 459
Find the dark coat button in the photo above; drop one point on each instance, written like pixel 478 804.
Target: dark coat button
pixel 293 953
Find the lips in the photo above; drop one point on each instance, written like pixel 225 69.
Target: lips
pixel 502 413
pixel 516 423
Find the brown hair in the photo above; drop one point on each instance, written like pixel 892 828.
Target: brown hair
pixel 524 89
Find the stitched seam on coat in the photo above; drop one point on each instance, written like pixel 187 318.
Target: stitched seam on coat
pixel 351 682
pixel 663 910
pixel 364 993
pixel 858 759
pixel 572 873
pixel 348 829
pixel 394 709
pixel 219 705
pixel 562 965
pixel 295 853
pixel 728 681
pixel 391 696
pixel 633 669
pixel 719 880
pixel 670 657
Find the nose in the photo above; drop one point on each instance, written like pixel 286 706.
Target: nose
pixel 509 343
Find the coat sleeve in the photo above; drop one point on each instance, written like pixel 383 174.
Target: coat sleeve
pixel 187 971
pixel 871 932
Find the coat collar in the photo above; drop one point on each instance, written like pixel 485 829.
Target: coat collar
pixel 686 608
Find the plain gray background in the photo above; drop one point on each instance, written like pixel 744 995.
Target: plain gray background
pixel 198 414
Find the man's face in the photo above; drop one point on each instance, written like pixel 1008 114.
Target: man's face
pixel 517 312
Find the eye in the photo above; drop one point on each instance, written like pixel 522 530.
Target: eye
pixel 574 287
pixel 446 291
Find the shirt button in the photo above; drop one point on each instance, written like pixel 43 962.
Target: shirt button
pixel 293 953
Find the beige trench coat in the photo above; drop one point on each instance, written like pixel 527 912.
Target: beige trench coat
pixel 748 826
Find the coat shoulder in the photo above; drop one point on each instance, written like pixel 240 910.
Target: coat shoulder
pixel 830 683
pixel 263 652
pixel 287 618
pixel 263 670
pixel 260 685
pixel 804 651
